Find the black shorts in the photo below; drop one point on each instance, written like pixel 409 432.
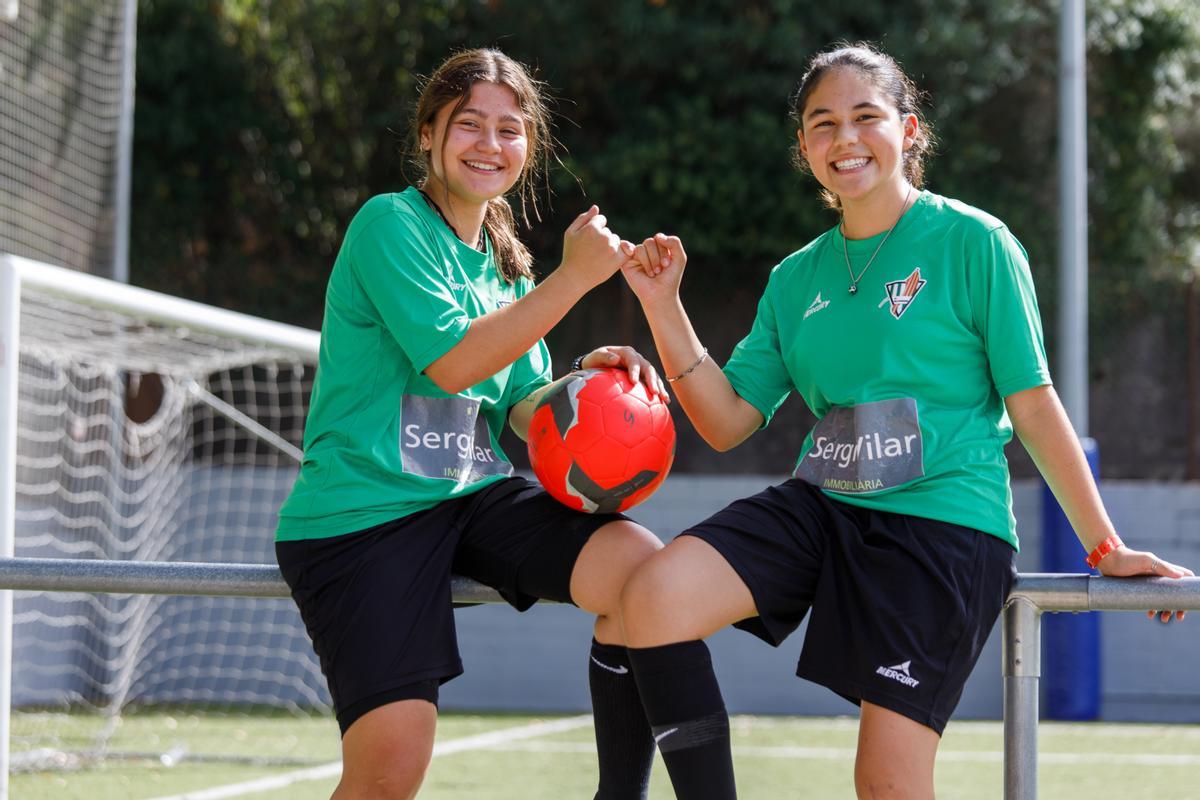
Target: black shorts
pixel 901 606
pixel 377 603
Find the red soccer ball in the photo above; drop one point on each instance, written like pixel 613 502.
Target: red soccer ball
pixel 599 443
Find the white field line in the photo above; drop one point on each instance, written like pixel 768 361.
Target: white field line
pixel 333 769
pixel 847 754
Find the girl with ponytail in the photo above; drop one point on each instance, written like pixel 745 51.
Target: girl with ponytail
pixel 432 342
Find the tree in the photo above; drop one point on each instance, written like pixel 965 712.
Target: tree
pixel 262 126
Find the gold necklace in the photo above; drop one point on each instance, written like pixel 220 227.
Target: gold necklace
pixel 846 253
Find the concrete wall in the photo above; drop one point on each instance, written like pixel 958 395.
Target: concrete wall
pixel 538 660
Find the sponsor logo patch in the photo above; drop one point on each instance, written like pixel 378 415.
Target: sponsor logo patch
pixel 447 437
pixel 865 448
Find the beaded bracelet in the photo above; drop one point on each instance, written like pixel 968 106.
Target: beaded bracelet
pixel 692 368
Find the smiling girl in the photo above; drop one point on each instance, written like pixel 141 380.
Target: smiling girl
pixel 432 341
pixel 912 332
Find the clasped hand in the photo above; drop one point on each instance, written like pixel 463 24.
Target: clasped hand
pixel 654 271
pixel 592 252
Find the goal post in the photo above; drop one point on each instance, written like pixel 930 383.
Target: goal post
pixel 136 427
pixel 165 309
pixel 10 301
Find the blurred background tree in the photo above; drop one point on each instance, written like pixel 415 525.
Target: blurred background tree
pixel 262 125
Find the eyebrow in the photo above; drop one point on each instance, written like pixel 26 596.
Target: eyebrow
pixel 864 104
pixel 503 117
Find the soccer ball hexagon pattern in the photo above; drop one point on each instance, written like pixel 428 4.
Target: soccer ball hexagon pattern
pixel 599 443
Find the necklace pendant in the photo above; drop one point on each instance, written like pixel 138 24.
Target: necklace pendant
pixel 854 288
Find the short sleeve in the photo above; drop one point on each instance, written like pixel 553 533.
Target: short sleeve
pixel 404 276
pixel 1005 310
pixel 756 369
pixel 532 370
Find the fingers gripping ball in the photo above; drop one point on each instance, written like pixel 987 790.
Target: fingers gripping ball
pixel 599 443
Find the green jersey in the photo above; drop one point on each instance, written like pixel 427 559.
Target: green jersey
pixel 382 440
pixel 907 375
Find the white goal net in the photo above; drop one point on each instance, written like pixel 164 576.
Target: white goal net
pixel 65 117
pixel 150 429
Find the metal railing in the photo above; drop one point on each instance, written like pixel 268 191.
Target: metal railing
pixel 174 577
pixel 1032 595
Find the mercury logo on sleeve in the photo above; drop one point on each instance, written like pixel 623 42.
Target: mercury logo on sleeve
pixel 865 448
pixel 447 437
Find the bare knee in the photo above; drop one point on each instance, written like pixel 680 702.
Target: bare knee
pixel 686 592
pixel 650 586
pixel 653 605
pixel 640 545
pixel 613 553
pixel 386 782
pixel 895 756
pixel 386 752
pixel 890 784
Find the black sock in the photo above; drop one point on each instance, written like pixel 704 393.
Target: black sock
pixel 687 715
pixel 623 741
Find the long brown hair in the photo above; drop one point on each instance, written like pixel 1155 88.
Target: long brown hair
pixel 451 84
pixel 891 79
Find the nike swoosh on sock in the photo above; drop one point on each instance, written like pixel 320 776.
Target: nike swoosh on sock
pixel 619 670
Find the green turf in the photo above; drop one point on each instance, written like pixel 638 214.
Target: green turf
pixel 775 757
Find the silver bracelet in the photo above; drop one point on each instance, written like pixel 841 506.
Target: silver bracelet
pixel 692 368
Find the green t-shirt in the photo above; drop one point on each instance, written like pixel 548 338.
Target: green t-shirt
pixel 906 377
pixel 382 440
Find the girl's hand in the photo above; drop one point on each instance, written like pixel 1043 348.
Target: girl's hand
pixel 591 252
pixel 1124 562
pixel 655 270
pixel 633 362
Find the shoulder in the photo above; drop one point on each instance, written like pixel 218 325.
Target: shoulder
pixel 961 217
pixel 389 214
pixel 802 262
pixel 988 253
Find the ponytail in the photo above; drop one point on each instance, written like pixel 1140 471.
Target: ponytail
pixel 512 257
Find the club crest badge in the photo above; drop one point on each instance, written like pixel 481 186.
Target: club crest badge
pixel 900 294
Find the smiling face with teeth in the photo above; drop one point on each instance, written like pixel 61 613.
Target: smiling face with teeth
pixel 476 150
pixel 853 138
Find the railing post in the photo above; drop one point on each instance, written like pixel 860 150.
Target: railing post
pixel 10 366
pixel 1022 671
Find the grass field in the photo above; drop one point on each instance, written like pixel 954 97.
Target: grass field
pixel 507 757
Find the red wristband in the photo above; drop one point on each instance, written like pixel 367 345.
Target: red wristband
pixel 1103 549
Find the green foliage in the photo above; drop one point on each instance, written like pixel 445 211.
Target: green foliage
pixel 1146 58
pixel 262 126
